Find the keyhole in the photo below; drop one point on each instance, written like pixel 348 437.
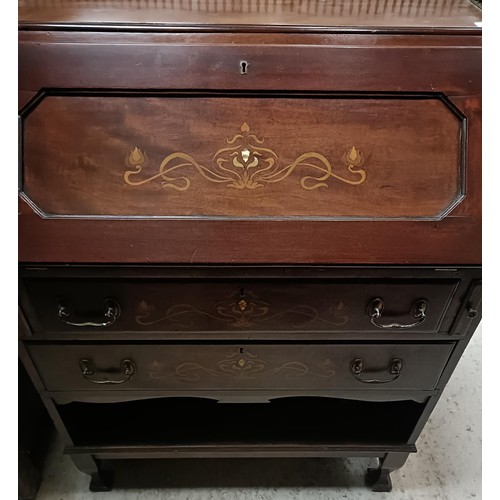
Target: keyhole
pixel 241 350
pixel 242 292
pixel 243 67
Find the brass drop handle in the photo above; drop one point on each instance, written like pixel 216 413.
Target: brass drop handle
pixel 358 368
pixel 111 314
pixel 417 311
pixel 127 370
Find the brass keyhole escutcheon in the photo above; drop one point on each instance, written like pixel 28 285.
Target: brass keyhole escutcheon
pixel 242 304
pixel 243 67
pixel 245 154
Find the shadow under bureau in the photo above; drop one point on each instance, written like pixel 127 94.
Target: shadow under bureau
pixel 247 232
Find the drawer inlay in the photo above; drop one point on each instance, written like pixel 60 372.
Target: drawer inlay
pixel 242 313
pixel 173 306
pixel 245 164
pixel 240 365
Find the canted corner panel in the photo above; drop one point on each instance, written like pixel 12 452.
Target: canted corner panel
pixel 243 156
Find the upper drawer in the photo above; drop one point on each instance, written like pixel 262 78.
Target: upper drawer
pixel 239 308
pixel 346 62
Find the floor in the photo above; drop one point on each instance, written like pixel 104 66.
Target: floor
pixel 447 466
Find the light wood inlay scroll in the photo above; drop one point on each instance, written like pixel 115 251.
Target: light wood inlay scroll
pixel 245 164
pixel 238 365
pixel 240 313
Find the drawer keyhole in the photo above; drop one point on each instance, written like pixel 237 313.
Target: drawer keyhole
pixel 243 67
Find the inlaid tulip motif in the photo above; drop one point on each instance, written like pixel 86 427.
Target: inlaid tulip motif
pixel 245 164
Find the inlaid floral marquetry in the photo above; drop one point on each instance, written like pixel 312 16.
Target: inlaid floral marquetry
pixel 247 157
pixel 238 312
pixel 246 164
pixel 240 364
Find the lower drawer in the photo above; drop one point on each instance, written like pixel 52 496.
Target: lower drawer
pixel 70 367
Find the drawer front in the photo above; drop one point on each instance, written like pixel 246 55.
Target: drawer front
pixel 178 367
pixel 241 307
pixel 242 157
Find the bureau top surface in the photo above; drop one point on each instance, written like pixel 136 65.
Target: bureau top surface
pixel 248 15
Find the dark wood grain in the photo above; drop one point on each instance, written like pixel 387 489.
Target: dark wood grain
pixel 306 303
pixel 455 240
pixel 333 156
pixel 241 366
pixel 99 78
pixel 472 108
pixel 34 432
pixel 240 451
pixel 241 307
pixel 239 396
pixel 180 14
pixel 447 64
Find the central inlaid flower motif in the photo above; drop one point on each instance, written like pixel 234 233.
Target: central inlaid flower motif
pixel 245 164
pixel 252 161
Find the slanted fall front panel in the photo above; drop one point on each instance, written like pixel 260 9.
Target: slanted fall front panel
pixel 250 156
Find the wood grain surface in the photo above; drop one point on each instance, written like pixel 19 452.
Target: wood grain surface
pixel 185 367
pixel 314 155
pixel 300 60
pixel 238 307
pixel 243 157
pixel 358 14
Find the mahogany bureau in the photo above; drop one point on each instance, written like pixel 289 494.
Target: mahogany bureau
pixel 274 205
